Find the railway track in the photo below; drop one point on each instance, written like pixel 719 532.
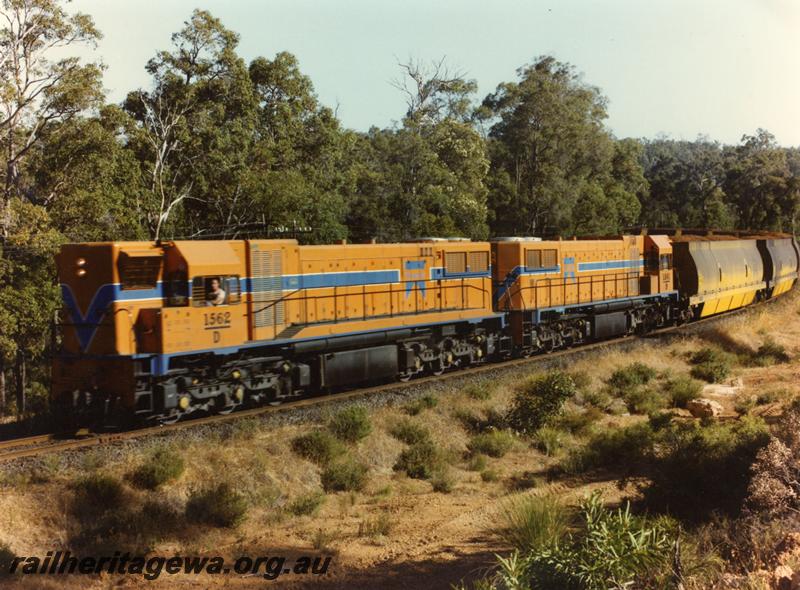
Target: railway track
pixel 46 443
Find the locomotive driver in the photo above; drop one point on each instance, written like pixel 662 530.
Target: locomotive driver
pixel 217 295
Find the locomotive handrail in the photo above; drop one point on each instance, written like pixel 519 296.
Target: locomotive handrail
pixel 579 281
pixel 414 289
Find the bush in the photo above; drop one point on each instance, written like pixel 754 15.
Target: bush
pixel 420 460
pixel 681 390
pixel 699 468
pixel 539 400
pixel 443 481
pixel 643 400
pixel 351 424
pixel 579 422
pixel 380 526
pixel 549 440
pixel 614 549
pixel 318 446
pixel 770 353
pixel 711 372
pixel 99 493
pixel 597 399
pixel 494 443
pixel 348 475
pixel 307 504
pixel 531 523
pixel 161 466
pixel 408 432
pixel 220 506
pixel 489 475
pixel 426 402
pixel 634 375
pixel 711 364
pixel 477 462
pixel 622 447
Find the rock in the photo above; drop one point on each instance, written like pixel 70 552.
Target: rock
pixel 782 578
pixel 704 408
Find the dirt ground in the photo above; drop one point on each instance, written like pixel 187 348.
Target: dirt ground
pixel 426 539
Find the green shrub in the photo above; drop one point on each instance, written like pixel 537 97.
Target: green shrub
pixel 318 446
pixel 624 448
pixel 744 405
pixel 579 422
pixel 630 377
pixel 659 420
pixel 161 466
pixel 489 475
pixel 769 397
pixel 380 526
pixel 549 440
pixel 347 475
pixel 613 549
pixel 597 399
pixel 443 481
pixel 531 523
pixel 701 468
pixel 494 443
pixel 420 460
pixel 643 400
pixel 410 433
pixel 307 504
pixel 711 372
pixel 711 364
pixel 220 506
pixel 477 462
pixel 540 400
pixel 351 424
pixel 681 390
pixel 99 492
pixel 426 402
pixel 770 353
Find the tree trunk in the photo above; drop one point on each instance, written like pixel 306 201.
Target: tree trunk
pixel 19 371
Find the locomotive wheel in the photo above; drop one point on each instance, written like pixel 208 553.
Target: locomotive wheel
pixel 171 419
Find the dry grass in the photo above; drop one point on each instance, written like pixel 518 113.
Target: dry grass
pixel 423 522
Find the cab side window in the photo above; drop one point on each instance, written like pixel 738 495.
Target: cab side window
pixel 212 291
pixel 176 289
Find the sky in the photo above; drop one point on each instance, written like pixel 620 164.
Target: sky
pixel 680 68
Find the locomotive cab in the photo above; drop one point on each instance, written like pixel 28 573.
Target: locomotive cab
pixel 658 268
pixel 201 305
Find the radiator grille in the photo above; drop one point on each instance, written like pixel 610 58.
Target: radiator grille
pixel 455 262
pixel 267 280
pixel 478 261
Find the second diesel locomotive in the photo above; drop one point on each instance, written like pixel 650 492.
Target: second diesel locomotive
pixel 155 331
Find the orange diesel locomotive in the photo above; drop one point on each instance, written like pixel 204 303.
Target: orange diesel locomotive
pixel 161 330
pixel 155 331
